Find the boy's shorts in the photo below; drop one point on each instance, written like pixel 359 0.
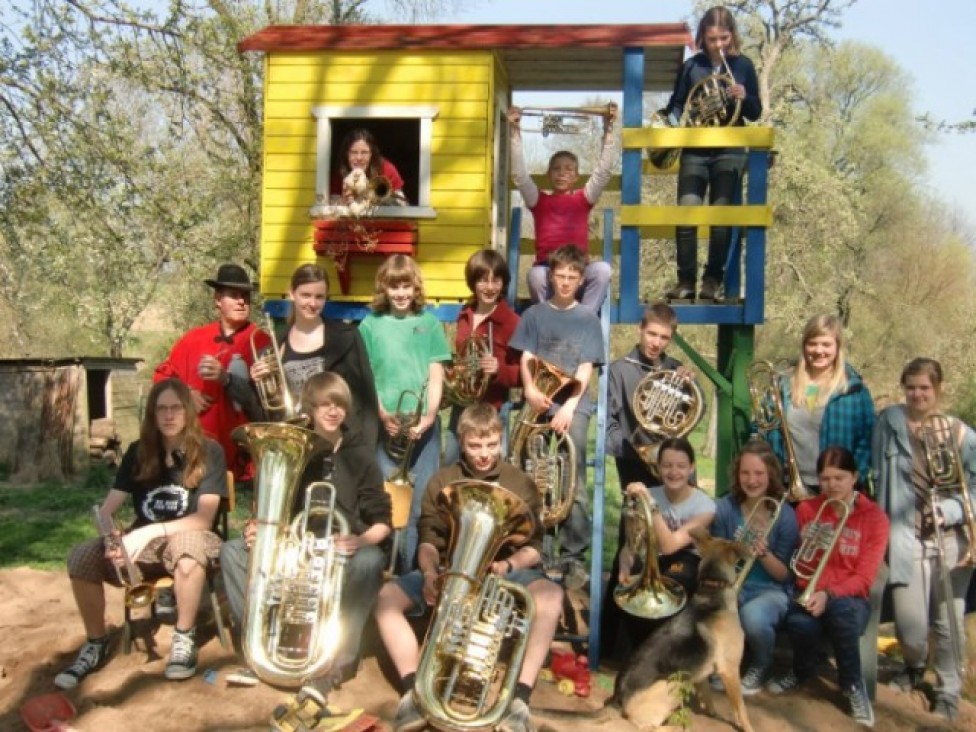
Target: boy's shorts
pixel 412 584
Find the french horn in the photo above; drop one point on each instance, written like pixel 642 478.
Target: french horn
pixel 465 382
pixel 465 680
pixel 709 104
pixel 665 405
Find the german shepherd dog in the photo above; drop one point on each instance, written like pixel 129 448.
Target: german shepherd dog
pixel 705 637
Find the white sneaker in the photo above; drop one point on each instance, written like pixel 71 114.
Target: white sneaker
pixel 752 680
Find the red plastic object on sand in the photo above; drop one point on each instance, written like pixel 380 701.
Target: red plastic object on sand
pixel 47 712
pixel 566 665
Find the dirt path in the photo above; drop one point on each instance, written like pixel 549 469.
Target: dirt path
pixel 40 632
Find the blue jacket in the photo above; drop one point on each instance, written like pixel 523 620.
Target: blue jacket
pixel 892 464
pixel 848 421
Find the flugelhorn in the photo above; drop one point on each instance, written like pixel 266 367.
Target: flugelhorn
pixel 399 446
pixel 652 595
pixel 465 382
pixel 665 404
pixel 138 592
pixel 758 525
pixel 273 391
pixel 947 478
pixel 769 415
pixel 819 539
pixel 464 681
pixel 289 631
pixel 708 104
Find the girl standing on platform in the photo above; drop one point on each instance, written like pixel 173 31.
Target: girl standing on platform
pixel 825 403
pixel 903 484
pixel 488 315
pixel 407 348
pixel 311 345
pixel 719 170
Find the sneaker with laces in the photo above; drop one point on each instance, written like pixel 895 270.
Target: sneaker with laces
pixel 166 605
pixel 784 683
pixel 182 662
pixel 752 680
pixel 681 291
pixel 946 707
pixel 518 718
pixel 93 655
pixel 907 679
pixel 408 718
pixel 861 710
pixel 709 289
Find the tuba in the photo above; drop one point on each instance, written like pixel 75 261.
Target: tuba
pixel 138 592
pixel 273 391
pixel 464 381
pixel 539 452
pixel 664 405
pixel 709 104
pixel 819 540
pixel 294 579
pixel 769 415
pixel 652 595
pixel 756 526
pixel 463 682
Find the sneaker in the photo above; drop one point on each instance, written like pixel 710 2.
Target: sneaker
pixel 784 683
pixel 182 662
pixel 92 656
pixel 752 680
pixel 408 718
pixel 861 710
pixel 946 707
pixel 710 289
pixel 907 679
pixel 681 291
pixel 518 718
pixel 716 684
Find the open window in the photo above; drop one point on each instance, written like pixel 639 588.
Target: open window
pixel 404 137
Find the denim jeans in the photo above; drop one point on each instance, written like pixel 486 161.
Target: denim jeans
pixel 426 461
pixel 761 611
pixel 721 174
pixel 592 293
pixel 843 622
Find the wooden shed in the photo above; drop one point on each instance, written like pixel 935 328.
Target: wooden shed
pixel 59 413
pixel 435 96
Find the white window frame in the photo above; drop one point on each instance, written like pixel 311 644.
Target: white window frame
pixel 323 163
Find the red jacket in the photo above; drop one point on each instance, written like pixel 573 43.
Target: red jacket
pixel 222 417
pixel 503 323
pixel 857 556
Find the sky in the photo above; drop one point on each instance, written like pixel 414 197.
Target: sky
pixel 922 38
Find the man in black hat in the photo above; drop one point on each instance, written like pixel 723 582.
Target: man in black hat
pixel 208 357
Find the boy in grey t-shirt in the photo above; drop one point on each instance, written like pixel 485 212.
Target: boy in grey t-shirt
pixel 569 337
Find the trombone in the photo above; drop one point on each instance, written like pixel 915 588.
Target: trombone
pixel 565 120
pixel 769 415
pixel 819 540
pixel 947 476
pixel 754 529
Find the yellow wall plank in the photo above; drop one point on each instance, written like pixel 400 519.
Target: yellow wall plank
pixel 425 59
pixel 447 109
pixel 364 73
pixel 391 93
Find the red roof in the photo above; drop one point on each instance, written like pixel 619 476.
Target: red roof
pixel 463 37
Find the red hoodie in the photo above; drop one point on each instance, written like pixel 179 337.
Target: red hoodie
pixel 857 556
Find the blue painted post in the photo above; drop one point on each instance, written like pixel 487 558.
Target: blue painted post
pixel 755 304
pixel 514 237
pixel 630 188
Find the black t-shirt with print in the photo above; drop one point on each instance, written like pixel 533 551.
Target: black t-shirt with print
pixel 165 498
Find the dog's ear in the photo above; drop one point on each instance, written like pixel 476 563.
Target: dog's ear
pixel 700 535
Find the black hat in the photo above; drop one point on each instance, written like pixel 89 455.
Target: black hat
pixel 231 276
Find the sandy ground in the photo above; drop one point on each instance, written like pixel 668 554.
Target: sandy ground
pixel 40 633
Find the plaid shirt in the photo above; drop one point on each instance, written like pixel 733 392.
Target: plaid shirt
pixel 848 420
